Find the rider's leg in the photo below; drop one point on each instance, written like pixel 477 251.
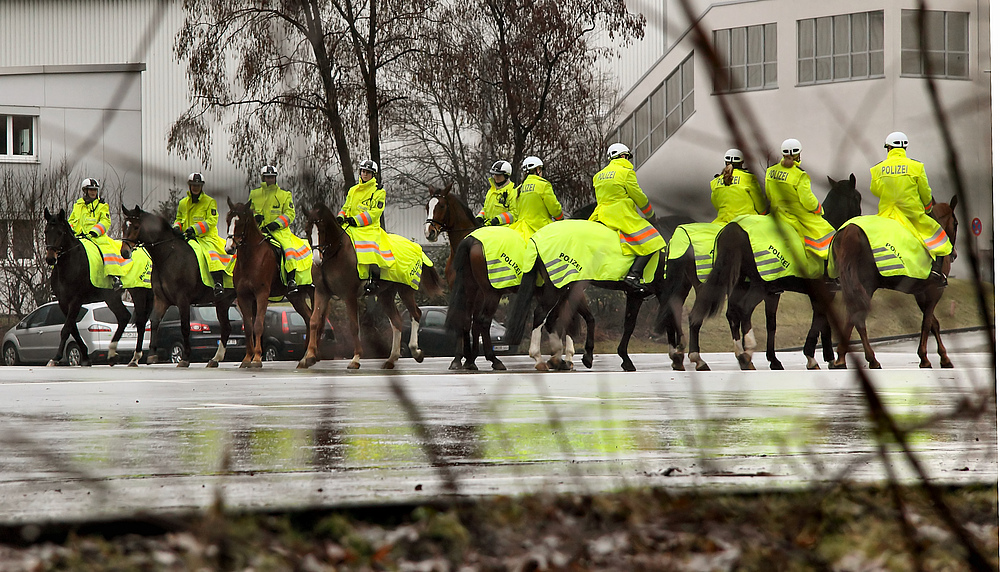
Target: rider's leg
pixel 937 271
pixel 290 277
pixel 634 277
pixel 218 277
pixel 374 274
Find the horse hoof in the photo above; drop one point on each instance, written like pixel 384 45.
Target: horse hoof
pixel 212 363
pixel 132 364
pixel 455 364
pixel 499 366
pixel 418 356
pixel 745 363
pixel 52 363
pixel 566 366
pixel 389 365
pixel 813 367
pixel 703 367
pixel 471 366
pixel 152 360
pixel 541 366
pixel 256 365
pixel 946 363
pixel 85 364
pixel 113 361
pixel 183 363
pixel 874 365
pixel 244 364
pixel 677 366
pixel 354 365
pixel 628 365
pixel 776 366
pixel 925 364
pixel 588 361
pixel 836 365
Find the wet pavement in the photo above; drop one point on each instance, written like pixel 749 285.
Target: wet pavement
pixel 89 442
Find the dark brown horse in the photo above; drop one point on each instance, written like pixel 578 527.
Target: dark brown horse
pixel 335 273
pixel 176 280
pixel 256 277
pixel 860 278
pixel 72 287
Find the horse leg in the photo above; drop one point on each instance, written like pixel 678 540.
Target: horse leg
pixel 184 307
pixel 64 333
pixel 159 308
pixel 321 304
pixel 247 307
pixel 588 348
pixel 568 321
pixel 121 313
pixel 694 353
pixel 387 299
pixel 927 301
pixel 633 303
pixel 771 300
pixel 675 330
pixel 141 297
pixel 410 303
pixel 491 300
pixel 351 303
pixel 226 327
pixel 258 327
pixel 740 312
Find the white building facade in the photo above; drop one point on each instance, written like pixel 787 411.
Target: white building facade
pixel 837 76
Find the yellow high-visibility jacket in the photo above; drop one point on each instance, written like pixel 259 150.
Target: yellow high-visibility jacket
pixel 619 202
pixel 900 183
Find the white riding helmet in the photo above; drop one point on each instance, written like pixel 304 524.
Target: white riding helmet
pixel 196 179
pixel 734 156
pixel 501 168
pixel 897 139
pixel 368 165
pixel 90 183
pixel 531 163
pixel 791 147
pixel 617 150
pixel 268 171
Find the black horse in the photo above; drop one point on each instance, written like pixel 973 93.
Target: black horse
pixel 73 288
pixel 176 280
pixel 734 274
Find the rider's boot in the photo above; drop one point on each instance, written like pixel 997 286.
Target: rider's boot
pixel 633 280
pixel 937 271
pixel 218 277
pixel 116 284
pixel 371 287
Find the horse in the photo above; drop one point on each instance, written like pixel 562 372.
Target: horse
pixel 176 280
pixel 474 300
pixel 860 278
pixel 257 277
pixel 72 287
pixel 334 274
pixel 734 274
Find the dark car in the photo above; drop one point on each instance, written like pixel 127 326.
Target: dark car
pixel 204 338
pixel 285 335
pixel 436 340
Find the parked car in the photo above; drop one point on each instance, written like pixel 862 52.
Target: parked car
pixel 285 335
pixel 204 337
pixel 436 340
pixel 35 339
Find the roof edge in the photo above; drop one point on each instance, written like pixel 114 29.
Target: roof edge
pixel 74 68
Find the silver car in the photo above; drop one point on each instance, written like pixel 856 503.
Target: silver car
pixel 35 338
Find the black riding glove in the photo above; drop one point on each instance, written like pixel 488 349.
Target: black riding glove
pixel 272 226
pixel 189 234
pixel 481 220
pixel 177 232
pixel 351 221
pixel 340 220
pixel 94 234
pixel 495 221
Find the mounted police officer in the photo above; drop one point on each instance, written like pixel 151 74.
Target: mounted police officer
pixel 91 219
pixel 900 183
pixel 619 202
pixel 735 191
pixel 789 190
pixel 536 204
pixel 362 213
pixel 275 205
pixel 500 198
pixel 197 219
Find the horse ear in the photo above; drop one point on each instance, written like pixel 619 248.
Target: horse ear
pixel 832 182
pixel 124 209
pixel 62 214
pixel 447 189
pixel 953 203
pixel 854 180
pixel 229 201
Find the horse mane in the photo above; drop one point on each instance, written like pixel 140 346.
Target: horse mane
pixel 465 208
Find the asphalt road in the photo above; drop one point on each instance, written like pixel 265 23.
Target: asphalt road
pixel 101 441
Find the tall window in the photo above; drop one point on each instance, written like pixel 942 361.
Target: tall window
pixel 661 114
pixel 17 138
pixel 16 240
pixel 947 44
pixel 748 58
pixel 841 48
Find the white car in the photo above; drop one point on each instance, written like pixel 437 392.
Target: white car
pixel 34 339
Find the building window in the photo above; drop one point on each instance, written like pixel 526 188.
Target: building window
pixel 947 44
pixel 17 239
pixel 841 48
pixel 17 138
pixel 661 114
pixel 748 58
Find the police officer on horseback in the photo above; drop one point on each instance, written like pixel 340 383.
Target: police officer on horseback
pixel 735 191
pixel 536 204
pixel 275 205
pixel 362 213
pixel 619 202
pixel 499 201
pixel 900 183
pixel 197 219
pixel 91 219
pixel 789 191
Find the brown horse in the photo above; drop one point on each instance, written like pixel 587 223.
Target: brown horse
pixel 256 277
pixel 860 278
pixel 334 274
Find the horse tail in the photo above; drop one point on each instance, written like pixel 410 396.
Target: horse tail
pixel 725 272
pixel 848 252
pixel 456 301
pixel 431 281
pixel 518 314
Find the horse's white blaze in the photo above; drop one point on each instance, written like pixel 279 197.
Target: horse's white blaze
pixel 314 235
pixel 414 332
pixel 220 353
pixel 397 337
pixel 535 348
pixel 229 240
pixel 428 232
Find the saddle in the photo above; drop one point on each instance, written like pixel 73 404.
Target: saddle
pixel 574 250
pixel 897 252
pixel 778 250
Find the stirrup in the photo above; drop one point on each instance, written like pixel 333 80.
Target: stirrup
pixel 116 284
pixel 940 277
pixel 219 290
pixel 634 282
pixel 291 284
pixel 371 287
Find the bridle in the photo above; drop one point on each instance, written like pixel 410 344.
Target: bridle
pixel 134 243
pixel 58 251
pixel 441 227
pixel 322 247
pixel 241 237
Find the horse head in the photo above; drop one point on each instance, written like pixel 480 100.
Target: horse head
pixel 241 222
pixel 439 215
pixel 944 214
pixel 843 202
pixel 58 235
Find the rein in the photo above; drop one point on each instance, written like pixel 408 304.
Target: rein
pixel 442 227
